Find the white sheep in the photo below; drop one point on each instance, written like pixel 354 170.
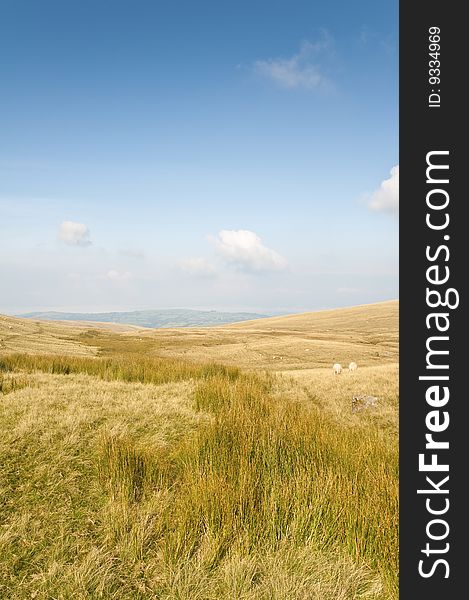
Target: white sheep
pixel 352 367
pixel 337 369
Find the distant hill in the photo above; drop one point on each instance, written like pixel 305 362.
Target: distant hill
pixel 367 334
pixel 152 318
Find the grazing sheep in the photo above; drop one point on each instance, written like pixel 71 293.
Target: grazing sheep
pixel 361 402
pixel 337 369
pixel 352 367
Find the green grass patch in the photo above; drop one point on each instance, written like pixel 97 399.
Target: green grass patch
pixel 121 368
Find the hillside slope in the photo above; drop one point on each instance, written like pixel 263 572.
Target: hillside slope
pixel 366 334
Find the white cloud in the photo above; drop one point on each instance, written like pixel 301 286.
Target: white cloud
pixel 244 250
pixel 114 275
pixel 199 267
pixel 74 234
pixel 300 70
pixel 386 198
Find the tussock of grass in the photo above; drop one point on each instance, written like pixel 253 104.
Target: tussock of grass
pixel 263 473
pixel 124 468
pixel 10 384
pixel 267 470
pixel 122 368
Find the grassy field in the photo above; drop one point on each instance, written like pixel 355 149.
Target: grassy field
pixel 367 334
pixel 135 466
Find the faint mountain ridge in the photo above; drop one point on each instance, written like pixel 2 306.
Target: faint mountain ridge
pixel 157 319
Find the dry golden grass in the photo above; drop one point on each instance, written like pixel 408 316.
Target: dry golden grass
pixel 53 535
pixel 130 475
pixel 37 337
pixel 333 394
pixel 365 334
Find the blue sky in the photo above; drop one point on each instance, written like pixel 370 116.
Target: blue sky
pixel 204 154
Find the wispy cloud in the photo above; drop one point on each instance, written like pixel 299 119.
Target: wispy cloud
pixel 244 250
pixel 386 197
pixel 365 35
pixel 114 275
pixel 377 42
pixel 303 69
pixel 74 234
pixel 199 267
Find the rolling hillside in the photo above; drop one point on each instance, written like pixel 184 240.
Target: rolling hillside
pixel 367 334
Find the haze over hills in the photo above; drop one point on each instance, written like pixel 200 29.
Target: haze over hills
pixel 157 319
